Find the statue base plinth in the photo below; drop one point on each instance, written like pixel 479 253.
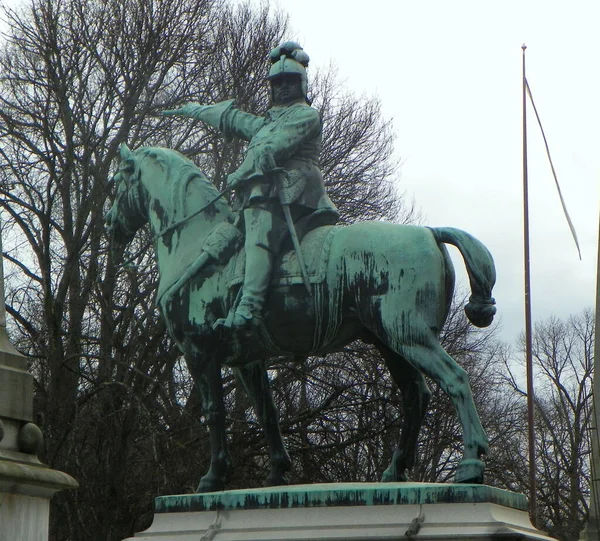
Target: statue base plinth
pixel 23 517
pixel 26 487
pixel 357 511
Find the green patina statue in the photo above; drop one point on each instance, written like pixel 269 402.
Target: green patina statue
pixel 388 284
pixel 279 180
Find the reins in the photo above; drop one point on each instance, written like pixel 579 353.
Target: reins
pixel 185 219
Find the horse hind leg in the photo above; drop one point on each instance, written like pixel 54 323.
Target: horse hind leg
pixel 415 399
pixel 255 382
pixel 434 362
pixel 426 355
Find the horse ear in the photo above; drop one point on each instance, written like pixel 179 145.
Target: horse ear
pixel 125 152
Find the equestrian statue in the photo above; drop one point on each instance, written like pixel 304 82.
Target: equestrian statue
pixel 277 277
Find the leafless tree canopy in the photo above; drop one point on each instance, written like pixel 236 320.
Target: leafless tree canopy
pixel 78 77
pixel 563 357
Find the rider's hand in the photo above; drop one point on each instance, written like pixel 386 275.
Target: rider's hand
pixel 233 180
pixel 192 110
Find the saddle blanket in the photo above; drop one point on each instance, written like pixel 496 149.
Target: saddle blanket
pixel 315 248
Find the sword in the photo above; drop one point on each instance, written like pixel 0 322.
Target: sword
pixel 292 230
pixel 296 242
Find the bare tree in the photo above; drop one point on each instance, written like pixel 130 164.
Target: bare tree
pixel 563 362
pixel 78 77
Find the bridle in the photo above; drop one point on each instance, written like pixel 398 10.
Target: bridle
pixel 133 200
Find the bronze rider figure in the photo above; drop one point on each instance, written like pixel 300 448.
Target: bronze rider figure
pixel 280 168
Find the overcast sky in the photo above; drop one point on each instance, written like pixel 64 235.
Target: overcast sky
pixel 449 74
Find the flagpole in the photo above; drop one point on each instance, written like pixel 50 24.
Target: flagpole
pixel 593 526
pixel 528 331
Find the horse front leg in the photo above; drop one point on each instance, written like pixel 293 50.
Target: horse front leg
pixel 255 382
pixel 207 376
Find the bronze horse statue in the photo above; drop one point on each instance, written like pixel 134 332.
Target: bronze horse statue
pixel 388 284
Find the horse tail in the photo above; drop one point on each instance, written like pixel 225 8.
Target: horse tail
pixel 480 267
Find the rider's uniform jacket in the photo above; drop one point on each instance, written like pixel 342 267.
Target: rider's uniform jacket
pixel 288 137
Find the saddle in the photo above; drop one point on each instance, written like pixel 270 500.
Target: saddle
pixel 315 246
pixel 222 245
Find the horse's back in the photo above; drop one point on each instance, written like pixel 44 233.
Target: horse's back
pixel 378 245
pixel 392 273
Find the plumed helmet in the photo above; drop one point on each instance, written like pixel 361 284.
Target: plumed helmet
pixel 289 59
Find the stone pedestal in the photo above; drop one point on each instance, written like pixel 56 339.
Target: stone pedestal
pixel 26 485
pixel 364 511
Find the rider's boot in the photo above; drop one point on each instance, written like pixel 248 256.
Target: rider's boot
pixel 259 263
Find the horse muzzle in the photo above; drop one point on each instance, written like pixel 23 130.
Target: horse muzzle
pixel 117 232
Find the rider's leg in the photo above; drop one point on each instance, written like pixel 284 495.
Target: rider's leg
pixel 260 244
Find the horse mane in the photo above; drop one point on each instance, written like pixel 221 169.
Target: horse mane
pixel 180 171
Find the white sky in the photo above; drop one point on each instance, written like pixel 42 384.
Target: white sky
pixel 449 74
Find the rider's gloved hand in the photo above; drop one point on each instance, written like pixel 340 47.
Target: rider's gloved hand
pixel 192 110
pixel 233 180
pixel 210 114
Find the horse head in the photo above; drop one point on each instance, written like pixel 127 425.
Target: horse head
pixel 127 213
pixel 164 189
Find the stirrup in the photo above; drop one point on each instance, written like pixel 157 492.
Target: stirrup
pixel 238 319
pixel 224 322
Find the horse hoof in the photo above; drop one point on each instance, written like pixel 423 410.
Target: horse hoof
pixel 390 477
pixel 210 485
pixel 470 471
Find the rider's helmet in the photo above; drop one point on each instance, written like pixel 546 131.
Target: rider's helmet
pixel 289 59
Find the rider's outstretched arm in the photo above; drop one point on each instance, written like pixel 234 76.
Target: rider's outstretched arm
pixel 222 116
